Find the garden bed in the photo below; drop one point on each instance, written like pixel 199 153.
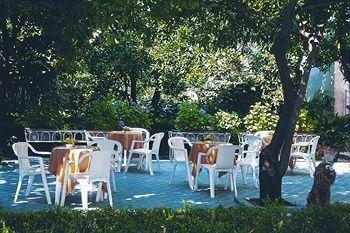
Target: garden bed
pixel 271 218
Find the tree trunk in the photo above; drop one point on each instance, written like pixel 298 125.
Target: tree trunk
pixel 155 103
pixel 274 159
pixel 133 88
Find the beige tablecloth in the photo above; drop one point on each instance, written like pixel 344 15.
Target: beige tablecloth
pixel 126 138
pixel 60 155
pixel 203 147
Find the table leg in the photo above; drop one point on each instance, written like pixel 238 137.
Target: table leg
pixel 58 191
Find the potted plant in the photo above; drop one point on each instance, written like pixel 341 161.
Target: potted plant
pixel 70 142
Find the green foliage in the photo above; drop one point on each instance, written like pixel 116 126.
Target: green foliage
pixel 333 129
pixel 100 115
pixel 305 123
pixel 271 218
pixel 260 118
pixel 133 114
pixel 230 122
pixel 192 117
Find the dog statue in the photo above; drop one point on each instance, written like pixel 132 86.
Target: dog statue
pixel 324 177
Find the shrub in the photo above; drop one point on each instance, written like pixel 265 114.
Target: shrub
pixel 333 129
pixel 305 123
pixel 192 117
pixel 100 115
pixel 271 218
pixel 260 118
pixel 228 122
pixel 133 114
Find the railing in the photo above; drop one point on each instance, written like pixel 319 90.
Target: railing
pixel 196 136
pixel 199 135
pixel 303 137
pixel 50 135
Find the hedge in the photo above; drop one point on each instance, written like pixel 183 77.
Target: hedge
pixel 272 218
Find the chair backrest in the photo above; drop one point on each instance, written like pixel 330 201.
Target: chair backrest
pixel 90 139
pixel 254 146
pixel 109 145
pixel 241 137
pixel 227 155
pixel 177 146
pixel 156 138
pixel 100 164
pixel 314 142
pixel 21 150
pixel 145 135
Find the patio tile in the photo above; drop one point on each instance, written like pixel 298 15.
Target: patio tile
pixel 137 189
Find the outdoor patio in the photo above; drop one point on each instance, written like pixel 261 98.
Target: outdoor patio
pixel 140 190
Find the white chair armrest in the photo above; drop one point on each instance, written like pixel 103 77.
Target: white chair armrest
pixel 251 151
pixel 32 158
pixel 139 141
pixel 40 152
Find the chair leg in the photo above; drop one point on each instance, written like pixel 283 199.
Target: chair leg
pixel 113 181
pixel 234 175
pixel 172 174
pixel 149 162
pixel 189 176
pixel 231 181
pixel 58 192
pixel 30 182
pixel 244 173
pixel 99 191
pixel 125 157
pixel 84 193
pixel 20 180
pixel 46 187
pixel 119 163
pixel 212 183
pixel 314 161
pixel 128 162
pixel 227 181
pixel 254 177
pixel 310 167
pixel 109 194
pixel 157 157
pixel 64 190
pixel 196 179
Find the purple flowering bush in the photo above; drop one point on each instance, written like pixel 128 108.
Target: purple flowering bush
pixel 132 114
pixel 192 117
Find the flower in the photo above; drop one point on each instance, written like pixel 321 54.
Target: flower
pixel 133 104
pixel 70 140
pixel 122 123
pixel 202 111
pixel 144 108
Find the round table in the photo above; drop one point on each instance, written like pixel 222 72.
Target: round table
pixel 126 138
pixel 57 165
pixel 203 147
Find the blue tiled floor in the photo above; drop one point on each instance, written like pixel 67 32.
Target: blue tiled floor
pixel 137 189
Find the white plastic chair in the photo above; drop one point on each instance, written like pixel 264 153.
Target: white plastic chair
pixel 25 168
pixel 115 148
pixel 250 157
pixel 91 140
pixel 180 155
pixel 145 135
pixel 99 171
pixel 143 152
pixel 225 162
pixel 241 137
pixel 309 156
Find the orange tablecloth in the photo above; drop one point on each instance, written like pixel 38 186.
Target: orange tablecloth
pixel 126 138
pixel 203 147
pixel 59 157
